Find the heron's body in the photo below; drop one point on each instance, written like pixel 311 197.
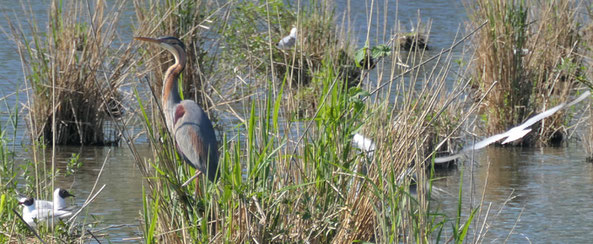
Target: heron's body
pixel 189 126
pixel 194 138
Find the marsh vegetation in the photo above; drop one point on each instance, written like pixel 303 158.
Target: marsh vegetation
pixel 286 118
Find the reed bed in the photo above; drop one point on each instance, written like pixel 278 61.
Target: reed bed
pixel 274 189
pixel 72 71
pixel 251 36
pixel 531 49
pixel 284 180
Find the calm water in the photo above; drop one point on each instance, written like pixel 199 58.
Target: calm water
pixel 118 206
pixel 550 189
pixel 546 193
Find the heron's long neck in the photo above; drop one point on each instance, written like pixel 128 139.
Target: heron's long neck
pixel 170 96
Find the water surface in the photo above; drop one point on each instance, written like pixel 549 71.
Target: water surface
pixel 545 194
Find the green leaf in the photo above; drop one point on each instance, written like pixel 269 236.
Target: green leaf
pixel 155 215
pixel 277 104
pixel 466 227
pixel 2 202
pixel 359 56
pixel 380 51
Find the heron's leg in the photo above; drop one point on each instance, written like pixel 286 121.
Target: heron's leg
pixel 191 178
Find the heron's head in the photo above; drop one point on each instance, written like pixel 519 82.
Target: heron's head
pixel 172 44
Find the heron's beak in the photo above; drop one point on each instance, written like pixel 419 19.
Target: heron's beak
pixel 147 39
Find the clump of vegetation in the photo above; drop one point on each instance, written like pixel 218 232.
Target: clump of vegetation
pixel 274 190
pixel 73 72
pixel 303 180
pixel 254 31
pixel 417 38
pixel 529 48
pixel 74 164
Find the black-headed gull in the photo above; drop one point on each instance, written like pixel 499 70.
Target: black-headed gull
pixel 288 41
pixel 31 213
pixel 59 201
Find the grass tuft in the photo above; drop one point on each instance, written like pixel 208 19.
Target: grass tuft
pixel 72 70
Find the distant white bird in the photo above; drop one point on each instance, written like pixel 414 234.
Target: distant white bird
pixel 288 41
pixel 522 52
pixel 514 133
pixel 31 213
pixel 363 143
pixel 59 201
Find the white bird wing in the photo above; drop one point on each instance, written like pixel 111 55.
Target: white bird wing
pixel 580 98
pixel 62 213
pixel 553 110
pixel 41 204
pixel 363 143
pixel 483 143
pixel 540 116
pixel 515 135
pixel 447 158
pixel 45 213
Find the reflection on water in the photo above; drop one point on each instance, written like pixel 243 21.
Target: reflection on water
pixel 545 194
pixel 119 204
